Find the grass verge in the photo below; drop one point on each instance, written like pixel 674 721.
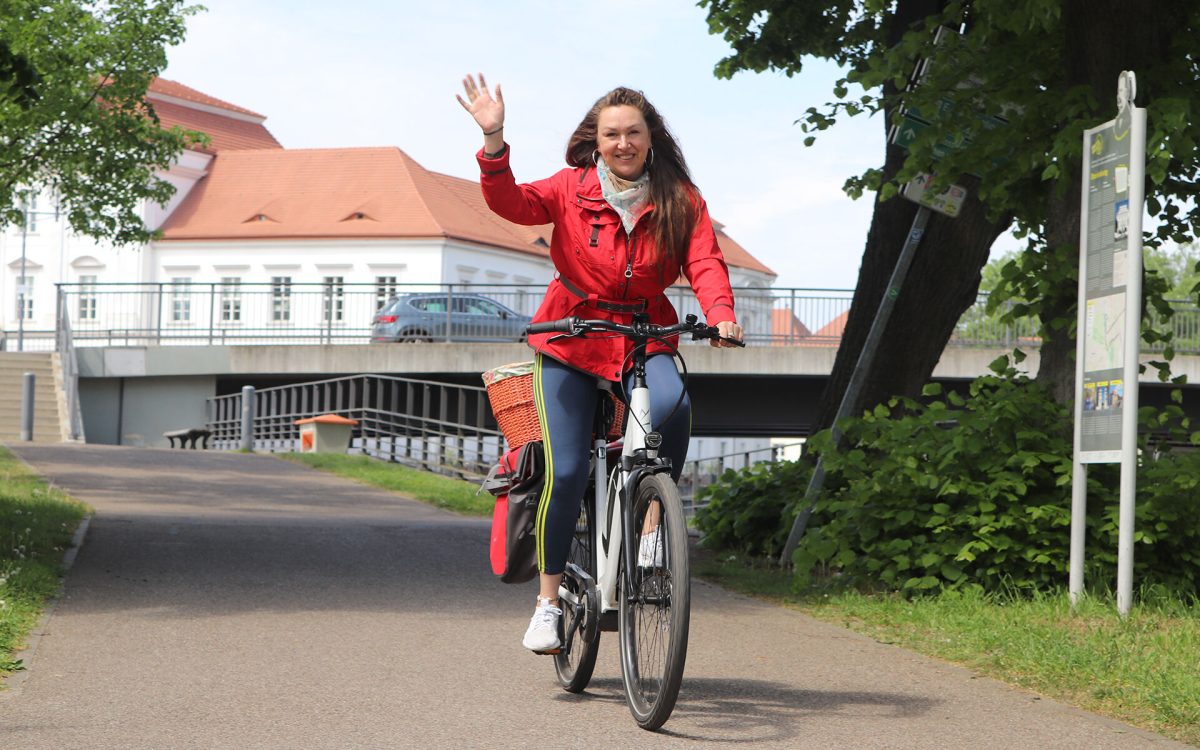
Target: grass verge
pixel 36 524
pixel 1141 670
pixel 445 492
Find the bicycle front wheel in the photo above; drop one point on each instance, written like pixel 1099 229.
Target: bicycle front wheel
pixel 575 664
pixel 655 609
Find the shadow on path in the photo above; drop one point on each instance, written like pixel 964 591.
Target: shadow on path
pixel 742 711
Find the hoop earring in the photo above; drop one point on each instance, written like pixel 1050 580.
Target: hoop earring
pixel 596 157
pixel 650 161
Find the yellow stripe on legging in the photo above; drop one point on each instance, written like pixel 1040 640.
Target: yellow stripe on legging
pixel 539 527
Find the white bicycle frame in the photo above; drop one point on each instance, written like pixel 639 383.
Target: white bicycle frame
pixel 608 494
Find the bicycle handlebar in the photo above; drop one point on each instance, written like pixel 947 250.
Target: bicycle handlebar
pixel 565 325
pixel 574 326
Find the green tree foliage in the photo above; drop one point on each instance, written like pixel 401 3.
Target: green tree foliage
pixel 73 113
pixel 1048 66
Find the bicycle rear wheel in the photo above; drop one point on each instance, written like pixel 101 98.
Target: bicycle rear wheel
pixel 654 618
pixel 575 663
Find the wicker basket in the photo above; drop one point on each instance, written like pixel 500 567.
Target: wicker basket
pixel 510 391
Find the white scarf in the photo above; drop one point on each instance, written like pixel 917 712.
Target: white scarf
pixel 627 197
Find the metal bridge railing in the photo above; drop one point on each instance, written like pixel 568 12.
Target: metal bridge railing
pixel 65 346
pixel 438 427
pixel 318 313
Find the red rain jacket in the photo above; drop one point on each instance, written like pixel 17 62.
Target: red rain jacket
pixel 591 250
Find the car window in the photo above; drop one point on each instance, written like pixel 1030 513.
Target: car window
pixel 482 307
pixel 430 304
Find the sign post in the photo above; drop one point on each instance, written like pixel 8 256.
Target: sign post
pixel 1110 301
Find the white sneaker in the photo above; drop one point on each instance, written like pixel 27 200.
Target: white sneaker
pixel 542 634
pixel 650 550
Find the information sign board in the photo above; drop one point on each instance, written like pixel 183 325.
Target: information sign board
pixel 1110 256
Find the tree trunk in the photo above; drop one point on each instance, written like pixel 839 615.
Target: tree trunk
pixel 1100 39
pixel 941 284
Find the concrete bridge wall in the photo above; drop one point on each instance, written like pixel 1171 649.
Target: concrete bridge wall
pixel 131 395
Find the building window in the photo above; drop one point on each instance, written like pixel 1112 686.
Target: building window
pixel 281 299
pixel 334 307
pixel 181 299
pixel 87 298
pixel 31 214
pixel 24 297
pixel 385 289
pixel 231 299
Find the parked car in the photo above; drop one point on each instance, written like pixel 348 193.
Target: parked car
pixel 428 317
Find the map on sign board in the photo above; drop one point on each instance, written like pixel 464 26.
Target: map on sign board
pixel 1105 349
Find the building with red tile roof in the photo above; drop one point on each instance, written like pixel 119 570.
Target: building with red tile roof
pixel 355 193
pixel 228 126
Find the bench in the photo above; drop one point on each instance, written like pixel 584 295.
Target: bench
pixel 184 436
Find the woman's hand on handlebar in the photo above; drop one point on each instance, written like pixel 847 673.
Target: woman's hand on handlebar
pixel 730 330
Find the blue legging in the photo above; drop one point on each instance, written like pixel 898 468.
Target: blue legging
pixel 566 401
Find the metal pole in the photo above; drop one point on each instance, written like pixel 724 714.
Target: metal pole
pixel 1078 530
pixel 1078 468
pixel 27 393
pixel 1129 407
pixel 212 310
pixel 854 388
pixel 248 409
pixel 22 290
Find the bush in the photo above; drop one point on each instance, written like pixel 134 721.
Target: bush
pixel 956 491
pixel 745 508
pixel 964 492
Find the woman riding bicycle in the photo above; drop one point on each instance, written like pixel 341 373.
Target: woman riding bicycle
pixel 627 222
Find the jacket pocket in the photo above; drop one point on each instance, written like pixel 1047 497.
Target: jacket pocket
pixel 593 238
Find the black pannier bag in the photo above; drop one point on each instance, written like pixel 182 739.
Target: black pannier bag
pixel 517 482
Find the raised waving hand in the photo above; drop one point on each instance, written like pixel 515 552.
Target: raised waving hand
pixel 487 110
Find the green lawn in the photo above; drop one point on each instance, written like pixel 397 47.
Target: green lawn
pixel 444 492
pixel 36 525
pixel 1142 670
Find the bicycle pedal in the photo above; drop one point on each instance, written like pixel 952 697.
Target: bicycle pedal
pixel 549 652
pixel 608 621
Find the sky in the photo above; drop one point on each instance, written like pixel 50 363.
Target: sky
pixel 361 73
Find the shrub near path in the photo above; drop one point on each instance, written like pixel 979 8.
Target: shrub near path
pixel 36 524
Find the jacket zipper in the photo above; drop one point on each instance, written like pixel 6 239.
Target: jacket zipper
pixel 632 255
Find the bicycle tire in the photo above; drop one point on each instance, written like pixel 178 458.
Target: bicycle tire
pixel 653 626
pixel 574 666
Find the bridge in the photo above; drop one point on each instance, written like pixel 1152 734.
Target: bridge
pixel 132 393
pixel 148 357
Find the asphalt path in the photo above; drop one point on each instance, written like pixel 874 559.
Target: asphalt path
pixel 226 600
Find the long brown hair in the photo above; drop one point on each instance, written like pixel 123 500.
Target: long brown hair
pixel 672 192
